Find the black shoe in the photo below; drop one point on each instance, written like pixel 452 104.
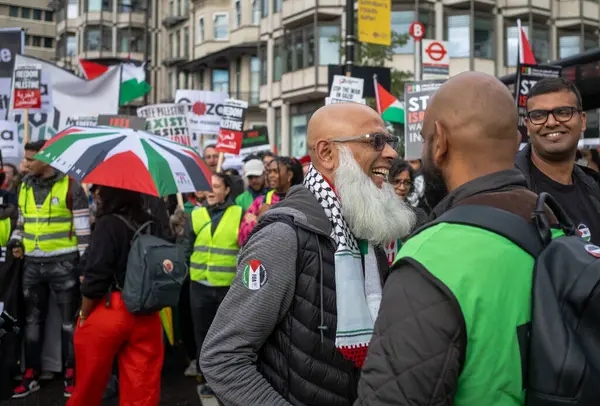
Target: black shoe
pixel 204 391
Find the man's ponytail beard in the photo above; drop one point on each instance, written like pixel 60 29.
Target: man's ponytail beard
pixel 373 214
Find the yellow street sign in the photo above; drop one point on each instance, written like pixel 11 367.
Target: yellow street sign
pixel 375 21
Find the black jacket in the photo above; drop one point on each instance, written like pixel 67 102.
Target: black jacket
pixel 419 345
pixel 589 178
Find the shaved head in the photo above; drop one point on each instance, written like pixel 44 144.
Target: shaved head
pixel 470 128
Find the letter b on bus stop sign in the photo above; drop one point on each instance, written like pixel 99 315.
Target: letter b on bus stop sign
pixel 417 30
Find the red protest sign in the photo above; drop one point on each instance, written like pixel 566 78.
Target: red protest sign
pixel 229 141
pixel 232 127
pixel 27 93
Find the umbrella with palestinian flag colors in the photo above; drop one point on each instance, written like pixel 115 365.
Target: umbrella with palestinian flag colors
pixel 127 159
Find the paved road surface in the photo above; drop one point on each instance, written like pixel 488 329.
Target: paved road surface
pixel 177 390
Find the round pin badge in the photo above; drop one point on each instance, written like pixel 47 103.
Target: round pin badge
pixel 167 266
pixel 593 250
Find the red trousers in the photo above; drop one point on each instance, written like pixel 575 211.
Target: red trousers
pixel 135 340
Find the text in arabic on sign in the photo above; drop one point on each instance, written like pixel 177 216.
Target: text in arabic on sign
pixel 27 84
pixel 232 126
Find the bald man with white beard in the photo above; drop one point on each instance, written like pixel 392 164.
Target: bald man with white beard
pixel 297 321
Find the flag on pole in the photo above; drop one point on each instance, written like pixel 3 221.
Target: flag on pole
pixel 525 53
pixel 133 79
pixel 387 105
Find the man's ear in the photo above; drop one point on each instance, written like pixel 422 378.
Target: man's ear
pixel 325 154
pixel 439 144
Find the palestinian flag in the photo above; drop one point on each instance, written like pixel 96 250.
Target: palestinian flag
pixel 133 79
pixel 388 106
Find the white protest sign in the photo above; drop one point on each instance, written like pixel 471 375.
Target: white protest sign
pixel 330 100
pixel 9 140
pixel 205 109
pixel 347 88
pixel 167 120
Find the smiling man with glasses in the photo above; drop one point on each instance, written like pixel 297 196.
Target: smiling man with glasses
pixel 555 121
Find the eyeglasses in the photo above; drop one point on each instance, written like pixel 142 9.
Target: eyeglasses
pixel 560 114
pixel 402 182
pixel 377 140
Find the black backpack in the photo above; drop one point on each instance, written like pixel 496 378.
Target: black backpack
pixel 155 272
pixel 561 357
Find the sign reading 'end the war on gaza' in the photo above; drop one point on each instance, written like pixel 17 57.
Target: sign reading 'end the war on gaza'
pixel 232 126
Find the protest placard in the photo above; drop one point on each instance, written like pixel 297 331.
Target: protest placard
pixel 232 126
pixel 527 77
pixel 205 109
pixel 167 120
pixel 136 123
pixel 347 88
pixel 27 85
pixel 9 140
pixel 416 97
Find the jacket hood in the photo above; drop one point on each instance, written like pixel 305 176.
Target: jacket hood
pixel 306 211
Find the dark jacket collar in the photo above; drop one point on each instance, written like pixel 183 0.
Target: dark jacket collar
pixel 494 182
pixel 589 177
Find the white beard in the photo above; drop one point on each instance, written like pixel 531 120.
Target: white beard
pixel 373 214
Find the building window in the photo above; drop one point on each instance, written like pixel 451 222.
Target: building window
pixel 265 8
pixel 278 53
pixel 568 44
pixel 263 64
pixel 171 48
pixel 36 41
pixel 200 80
pixel 179 9
pixel 277 140
pixel 237 12
pixel 539 41
pixel 25 12
pixel 170 85
pixel 298 125
pixel 48 42
pixel 177 43
pixel 310 47
pixel 37 14
pixel 13 11
pixel 459 37
pixel 126 6
pixel 130 39
pixel 201 29
pixel 255 12
pixel 71 45
pixel 276 6
pixel 238 77
pixel 329 52
pixel 98 38
pixel 254 80
pixel 186 7
pixel 299 49
pixel 186 41
pixel 221 26
pixel 171 8
pixel 220 80
pixel 99 5
pixel 48 16
pixel 186 80
pixel 72 9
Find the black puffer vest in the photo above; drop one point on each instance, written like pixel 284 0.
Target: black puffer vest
pixel 300 359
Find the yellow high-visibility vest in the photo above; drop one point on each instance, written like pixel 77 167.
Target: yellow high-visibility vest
pixel 269 196
pixel 215 256
pixel 5 229
pixel 50 227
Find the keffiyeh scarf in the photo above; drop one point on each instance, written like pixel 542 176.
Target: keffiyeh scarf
pixel 358 293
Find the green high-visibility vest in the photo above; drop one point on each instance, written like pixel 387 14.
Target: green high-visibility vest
pixel 215 256
pixel 50 226
pixel 491 279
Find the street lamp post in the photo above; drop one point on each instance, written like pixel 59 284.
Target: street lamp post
pixel 350 39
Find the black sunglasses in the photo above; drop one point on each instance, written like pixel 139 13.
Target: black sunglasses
pixel 377 140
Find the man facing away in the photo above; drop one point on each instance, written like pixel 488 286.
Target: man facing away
pixel 555 121
pixel 296 323
pixel 52 231
pixel 448 328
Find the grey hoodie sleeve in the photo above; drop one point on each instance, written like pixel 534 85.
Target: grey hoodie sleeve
pixel 247 317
